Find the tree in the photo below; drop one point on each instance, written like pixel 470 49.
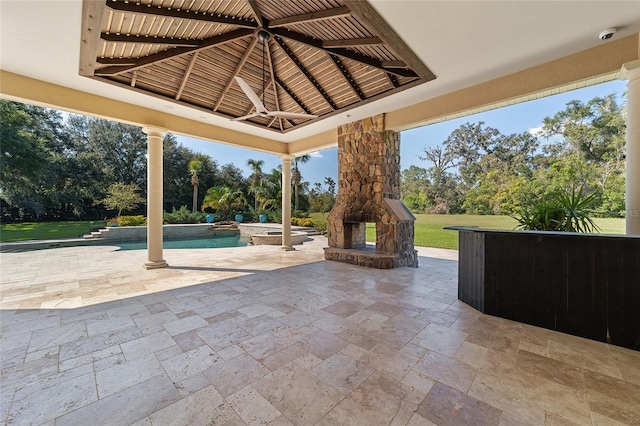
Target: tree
pixel 122 197
pixel 592 142
pixel 322 200
pixel 257 183
pixel 24 154
pixel 194 168
pixel 414 185
pixel 297 177
pixel 225 200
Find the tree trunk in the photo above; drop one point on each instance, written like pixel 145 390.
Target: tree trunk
pixel 195 198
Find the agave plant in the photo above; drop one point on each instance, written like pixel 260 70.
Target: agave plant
pixel 564 211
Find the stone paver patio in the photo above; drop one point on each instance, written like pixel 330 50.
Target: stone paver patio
pixel 254 335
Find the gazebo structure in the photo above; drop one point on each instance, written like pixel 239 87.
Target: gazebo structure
pixel 193 67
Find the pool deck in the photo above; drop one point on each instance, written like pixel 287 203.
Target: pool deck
pixel 258 335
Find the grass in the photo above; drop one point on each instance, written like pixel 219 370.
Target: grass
pixel 429 233
pixel 45 230
pixel 428 228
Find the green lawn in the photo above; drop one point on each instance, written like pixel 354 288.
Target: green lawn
pixel 429 232
pixel 428 228
pixel 45 230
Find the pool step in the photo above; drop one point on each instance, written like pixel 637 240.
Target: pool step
pixel 96 234
pixel 309 230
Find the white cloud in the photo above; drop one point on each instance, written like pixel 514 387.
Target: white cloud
pixel 315 154
pixel 535 131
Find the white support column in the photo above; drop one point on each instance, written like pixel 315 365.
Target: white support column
pixel 154 198
pixel 631 72
pixel 286 202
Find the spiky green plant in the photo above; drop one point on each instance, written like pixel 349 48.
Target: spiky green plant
pixel 564 211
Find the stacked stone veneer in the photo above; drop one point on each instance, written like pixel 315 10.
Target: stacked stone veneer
pixel 369 191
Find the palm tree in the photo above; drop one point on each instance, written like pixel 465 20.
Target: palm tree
pixel 194 168
pixel 224 199
pixel 256 179
pixel 296 176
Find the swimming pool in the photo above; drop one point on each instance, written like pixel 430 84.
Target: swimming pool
pixel 187 243
pixel 208 241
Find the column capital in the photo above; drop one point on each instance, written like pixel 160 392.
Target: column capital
pixel 630 70
pixel 154 131
pixel 285 157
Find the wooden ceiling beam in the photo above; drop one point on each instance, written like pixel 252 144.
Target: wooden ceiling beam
pixel 306 72
pixel 393 80
pixel 310 17
pixel 117 61
pixel 235 72
pixel 92 12
pixel 178 51
pixel 122 38
pixel 256 12
pixel 292 95
pixel 352 42
pixel 347 77
pixel 393 64
pixel 187 72
pixel 343 53
pixel 180 14
pixel 272 71
pixel 367 15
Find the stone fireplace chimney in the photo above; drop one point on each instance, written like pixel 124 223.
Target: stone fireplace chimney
pixel 369 192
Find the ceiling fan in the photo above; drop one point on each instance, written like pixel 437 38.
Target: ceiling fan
pixel 261 110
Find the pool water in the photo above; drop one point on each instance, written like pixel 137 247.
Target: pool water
pixel 191 243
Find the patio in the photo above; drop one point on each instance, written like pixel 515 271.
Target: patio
pixel 257 335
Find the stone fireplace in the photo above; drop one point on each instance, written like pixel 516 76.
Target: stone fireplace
pixel 369 192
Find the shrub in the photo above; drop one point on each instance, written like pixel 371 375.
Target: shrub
pixel 183 216
pixel 275 216
pixel 320 225
pixel 299 214
pixel 138 220
pixel 564 211
pixel 306 222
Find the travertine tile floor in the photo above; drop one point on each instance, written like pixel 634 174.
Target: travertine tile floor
pixel 259 336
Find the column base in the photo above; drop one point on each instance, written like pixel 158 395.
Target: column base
pixel 287 248
pixel 156 264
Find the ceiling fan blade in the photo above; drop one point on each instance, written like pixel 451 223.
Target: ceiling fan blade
pixel 255 100
pixel 290 115
pixel 245 117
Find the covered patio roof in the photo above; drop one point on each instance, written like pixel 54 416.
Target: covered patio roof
pixel 482 55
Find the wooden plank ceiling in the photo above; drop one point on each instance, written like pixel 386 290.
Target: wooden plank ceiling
pixel 323 57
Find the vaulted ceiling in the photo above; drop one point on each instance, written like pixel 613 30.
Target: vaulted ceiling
pixel 323 57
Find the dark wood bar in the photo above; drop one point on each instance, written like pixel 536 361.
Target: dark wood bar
pixel 587 285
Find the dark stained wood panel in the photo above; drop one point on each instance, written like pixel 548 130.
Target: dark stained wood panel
pixel 581 284
pixel 309 76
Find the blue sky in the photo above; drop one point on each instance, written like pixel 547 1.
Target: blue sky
pixel 514 119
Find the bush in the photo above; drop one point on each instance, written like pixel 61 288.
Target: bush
pixel 183 216
pixel 275 216
pixel 306 222
pixel 138 220
pixel 564 211
pixel 299 214
pixel 320 225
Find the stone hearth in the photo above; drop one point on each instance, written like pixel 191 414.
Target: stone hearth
pixel 369 192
